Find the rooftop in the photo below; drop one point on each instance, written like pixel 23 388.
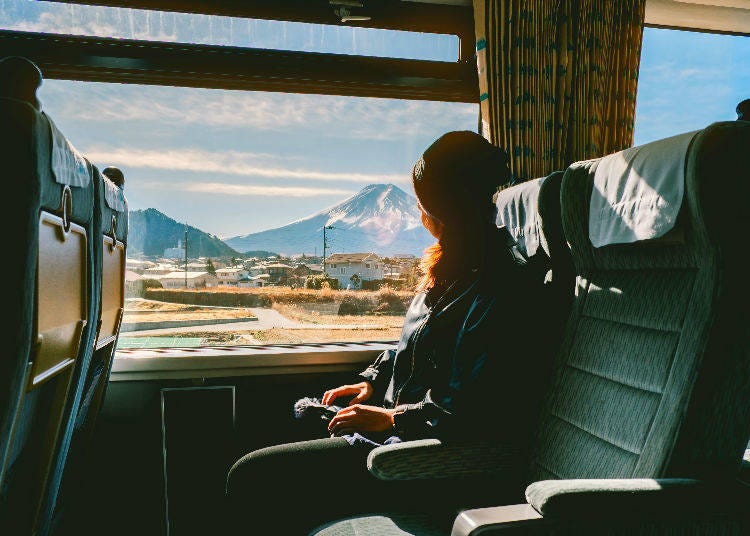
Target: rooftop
pixel 181 275
pixel 351 257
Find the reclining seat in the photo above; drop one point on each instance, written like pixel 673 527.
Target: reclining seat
pixel 531 213
pixel 48 218
pixel 646 420
pixel 111 223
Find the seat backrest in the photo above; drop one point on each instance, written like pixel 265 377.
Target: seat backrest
pixel 531 213
pixel 111 231
pixel 653 376
pixel 49 225
pixel 111 221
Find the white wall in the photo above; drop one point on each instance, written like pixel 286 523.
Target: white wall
pixel 344 271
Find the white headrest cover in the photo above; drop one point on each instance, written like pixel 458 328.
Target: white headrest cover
pixel 517 211
pixel 68 166
pixel 638 192
pixel 113 194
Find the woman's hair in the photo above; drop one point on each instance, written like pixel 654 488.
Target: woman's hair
pixel 454 181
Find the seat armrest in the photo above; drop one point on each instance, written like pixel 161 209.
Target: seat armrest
pixel 431 458
pixel 745 468
pixel 612 498
pixel 644 506
pixel 521 518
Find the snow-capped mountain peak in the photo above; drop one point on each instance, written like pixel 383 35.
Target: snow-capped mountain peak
pixel 380 218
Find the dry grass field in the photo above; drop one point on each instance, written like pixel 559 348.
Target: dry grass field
pixel 150 311
pixel 313 316
pixel 310 314
pixel 291 336
pixel 299 336
pixel 267 296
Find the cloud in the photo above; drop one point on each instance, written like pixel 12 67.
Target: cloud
pixel 255 190
pixel 224 162
pixel 177 107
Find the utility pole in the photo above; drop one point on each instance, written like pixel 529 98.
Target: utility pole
pixel 325 245
pixel 186 256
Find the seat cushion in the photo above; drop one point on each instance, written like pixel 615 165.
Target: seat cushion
pixel 387 524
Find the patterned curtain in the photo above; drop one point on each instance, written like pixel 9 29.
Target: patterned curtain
pixel 557 78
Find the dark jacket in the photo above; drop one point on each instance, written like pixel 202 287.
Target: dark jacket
pixel 467 364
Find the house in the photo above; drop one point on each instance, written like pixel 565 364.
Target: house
pixel 194 280
pixel 254 281
pixel 159 270
pixel 134 283
pixel 138 264
pixel 195 266
pixel 278 272
pixel 308 269
pixel 256 269
pixel 230 276
pixel 342 266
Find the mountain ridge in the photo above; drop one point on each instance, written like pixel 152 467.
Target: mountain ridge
pixel 381 218
pixel 151 232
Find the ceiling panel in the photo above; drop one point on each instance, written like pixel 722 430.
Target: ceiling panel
pixel 730 16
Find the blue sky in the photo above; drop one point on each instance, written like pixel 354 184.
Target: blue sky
pixel 233 162
pixel 689 80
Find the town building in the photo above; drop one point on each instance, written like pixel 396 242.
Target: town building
pixel 254 281
pixel 230 276
pixel 302 270
pixel 194 280
pixel 278 272
pixel 175 253
pixel 138 265
pixel 159 270
pixel 342 266
pixel 134 284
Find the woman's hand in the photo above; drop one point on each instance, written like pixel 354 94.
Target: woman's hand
pixel 361 391
pixel 361 418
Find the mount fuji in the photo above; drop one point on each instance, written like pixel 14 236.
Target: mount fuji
pixel 381 218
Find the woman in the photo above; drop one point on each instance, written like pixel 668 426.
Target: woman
pixel 458 370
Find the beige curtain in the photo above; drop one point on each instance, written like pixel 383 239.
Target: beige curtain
pixel 557 78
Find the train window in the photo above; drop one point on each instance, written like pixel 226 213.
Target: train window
pixel 251 187
pixel 689 80
pixel 150 25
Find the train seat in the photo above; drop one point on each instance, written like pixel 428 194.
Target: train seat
pixel 111 225
pixel 650 394
pixel 49 227
pixel 111 219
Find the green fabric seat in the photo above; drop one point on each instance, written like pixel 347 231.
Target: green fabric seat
pixel 38 399
pixel 536 212
pixel 652 379
pixel 110 242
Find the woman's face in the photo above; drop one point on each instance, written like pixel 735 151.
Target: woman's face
pixel 435 227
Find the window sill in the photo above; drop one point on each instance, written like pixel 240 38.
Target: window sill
pixel 228 361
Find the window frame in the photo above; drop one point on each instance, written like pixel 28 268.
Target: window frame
pixel 234 361
pixel 97 59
